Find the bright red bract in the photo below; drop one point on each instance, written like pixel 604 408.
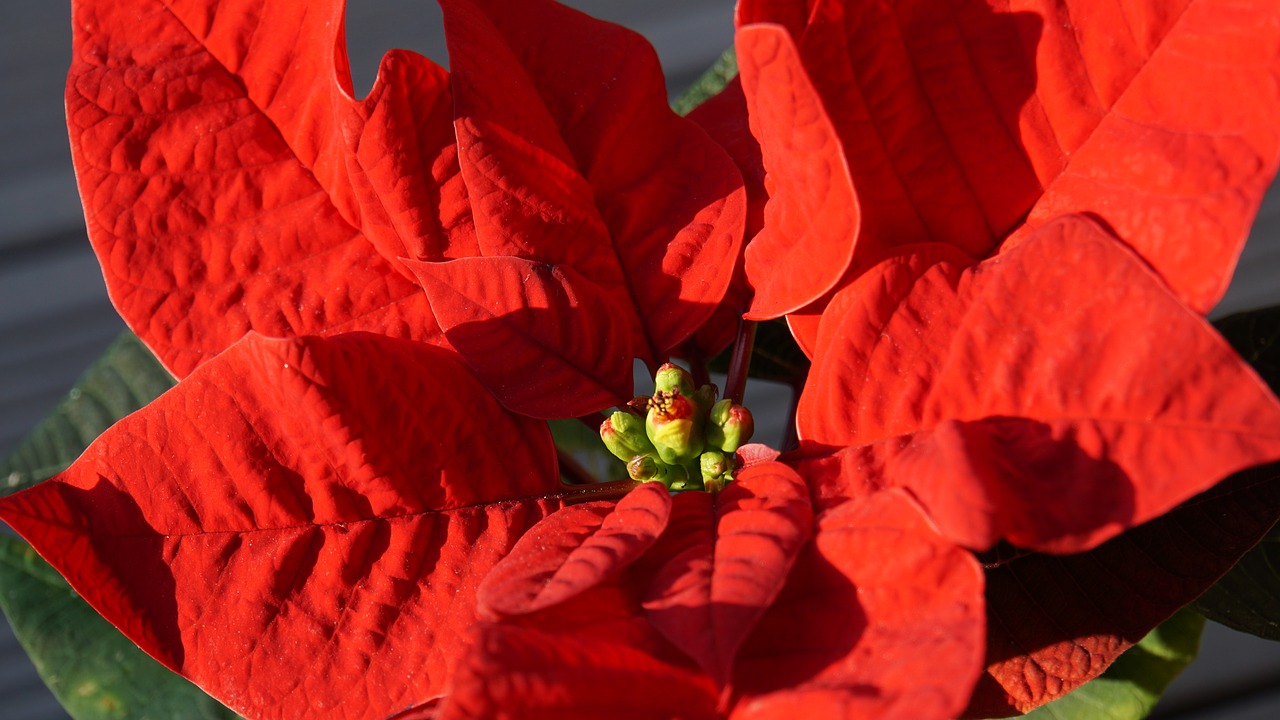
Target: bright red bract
pixel 993 227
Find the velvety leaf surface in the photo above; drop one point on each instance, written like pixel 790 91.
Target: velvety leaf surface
pixel 723 559
pixel 1056 622
pixel 574 550
pixel 958 121
pixel 905 642
pixel 672 200
pixel 1130 688
pixel 541 337
pixel 213 161
pixel 93 670
pixel 812 217
pixel 123 380
pixel 1012 395
pixel 290 492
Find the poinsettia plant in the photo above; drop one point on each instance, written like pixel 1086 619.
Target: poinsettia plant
pixel 979 241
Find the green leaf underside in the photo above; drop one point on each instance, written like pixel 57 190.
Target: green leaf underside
pixel 1130 688
pixel 125 378
pixel 95 672
pixel 708 84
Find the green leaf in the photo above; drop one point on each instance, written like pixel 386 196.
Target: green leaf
pixel 583 445
pixel 1248 597
pixel 125 378
pixel 711 82
pixel 95 672
pixel 1256 336
pixel 1134 682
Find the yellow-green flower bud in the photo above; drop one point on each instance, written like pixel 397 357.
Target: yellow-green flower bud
pixel 730 426
pixel 684 484
pixel 715 469
pixel 645 469
pixel 675 427
pixel 624 434
pixel 672 377
pixel 705 397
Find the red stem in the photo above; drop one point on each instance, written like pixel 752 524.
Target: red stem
pixel 740 361
pixel 614 490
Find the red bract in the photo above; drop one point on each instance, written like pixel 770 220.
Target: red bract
pixel 972 123
pixel 1060 391
pixel 737 604
pixel 233 183
pixel 1027 398
pixel 300 526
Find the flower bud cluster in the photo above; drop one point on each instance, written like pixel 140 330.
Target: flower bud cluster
pixel 680 436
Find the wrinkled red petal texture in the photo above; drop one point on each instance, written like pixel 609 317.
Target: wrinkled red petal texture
pixel 673 201
pixel 1058 622
pixel 574 550
pixel 754 453
pixel 723 560
pixel 403 166
pixel 592 657
pixel 527 196
pixel 997 389
pixel 537 335
pixel 956 120
pixel 812 216
pixel 1197 156
pixel 291 492
pixel 388 163
pixel 926 103
pixel 881 618
pixel 724 117
pixel 214 194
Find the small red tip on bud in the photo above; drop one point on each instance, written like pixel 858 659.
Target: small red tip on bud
pixel 730 426
pixel 624 434
pixel 672 378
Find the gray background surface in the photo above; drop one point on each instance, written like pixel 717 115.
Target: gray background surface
pixel 55 317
